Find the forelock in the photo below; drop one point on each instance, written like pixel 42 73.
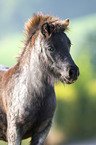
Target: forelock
pixel 34 24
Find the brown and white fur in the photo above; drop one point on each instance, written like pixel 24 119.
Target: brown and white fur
pixel 27 97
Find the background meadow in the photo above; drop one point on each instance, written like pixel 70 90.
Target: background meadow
pixel 75 117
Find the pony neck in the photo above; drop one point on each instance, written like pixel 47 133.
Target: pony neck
pixel 33 68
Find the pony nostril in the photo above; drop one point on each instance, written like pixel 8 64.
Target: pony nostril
pixel 72 73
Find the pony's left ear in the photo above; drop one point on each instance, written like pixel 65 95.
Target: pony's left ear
pixel 47 29
pixel 65 23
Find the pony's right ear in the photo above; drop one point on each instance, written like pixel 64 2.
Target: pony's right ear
pixel 47 29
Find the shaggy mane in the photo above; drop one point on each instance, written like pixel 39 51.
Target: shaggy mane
pixel 34 25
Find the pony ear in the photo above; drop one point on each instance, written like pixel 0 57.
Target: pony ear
pixel 47 29
pixel 66 23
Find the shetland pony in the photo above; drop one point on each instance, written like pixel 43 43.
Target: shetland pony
pixel 27 97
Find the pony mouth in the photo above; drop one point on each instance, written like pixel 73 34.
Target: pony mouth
pixel 66 80
pixel 61 77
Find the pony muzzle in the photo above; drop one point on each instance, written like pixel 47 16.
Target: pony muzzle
pixel 70 75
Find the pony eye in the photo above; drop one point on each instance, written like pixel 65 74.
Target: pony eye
pixel 51 48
